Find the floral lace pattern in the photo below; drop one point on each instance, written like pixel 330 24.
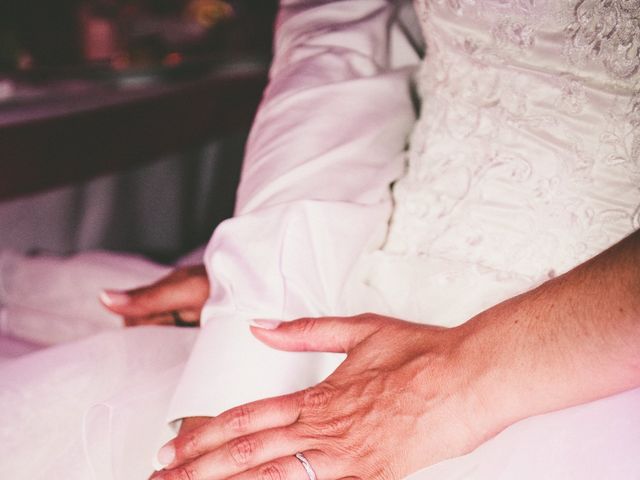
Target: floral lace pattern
pixel 607 30
pixel 526 158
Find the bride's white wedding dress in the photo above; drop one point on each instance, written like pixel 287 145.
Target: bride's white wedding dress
pixel 524 162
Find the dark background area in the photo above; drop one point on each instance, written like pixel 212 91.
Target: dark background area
pixel 149 134
pixel 51 31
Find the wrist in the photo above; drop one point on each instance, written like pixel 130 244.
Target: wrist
pixel 464 365
pixel 493 354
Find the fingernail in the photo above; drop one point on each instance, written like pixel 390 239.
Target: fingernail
pixel 166 455
pixel 112 298
pixel 265 323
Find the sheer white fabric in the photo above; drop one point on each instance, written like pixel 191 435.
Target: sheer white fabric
pixel 514 175
pixel 91 409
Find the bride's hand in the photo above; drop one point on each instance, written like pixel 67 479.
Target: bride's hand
pixel 176 298
pixel 188 424
pixel 404 398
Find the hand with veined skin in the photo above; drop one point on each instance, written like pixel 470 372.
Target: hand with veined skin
pixel 401 400
pixel 184 291
pixel 410 395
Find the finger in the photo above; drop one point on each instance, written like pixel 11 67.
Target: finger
pixel 180 290
pixel 236 422
pixel 187 424
pixel 145 301
pixel 241 454
pixel 324 334
pixel 159 319
pixel 290 468
pixel 191 423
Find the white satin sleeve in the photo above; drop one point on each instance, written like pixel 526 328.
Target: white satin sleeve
pixel 326 143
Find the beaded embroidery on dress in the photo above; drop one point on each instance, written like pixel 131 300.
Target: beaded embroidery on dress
pixel 526 157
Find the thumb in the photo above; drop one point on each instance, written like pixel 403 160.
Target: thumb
pixel 323 334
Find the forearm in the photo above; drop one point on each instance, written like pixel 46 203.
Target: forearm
pixel 572 340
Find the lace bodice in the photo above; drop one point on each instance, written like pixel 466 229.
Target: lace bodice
pixel 526 156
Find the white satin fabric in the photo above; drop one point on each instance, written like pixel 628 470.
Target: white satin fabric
pixel 314 195
pixel 312 218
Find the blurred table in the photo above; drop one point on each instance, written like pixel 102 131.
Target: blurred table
pixel 78 129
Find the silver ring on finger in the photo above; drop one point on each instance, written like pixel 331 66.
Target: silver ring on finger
pixel 306 465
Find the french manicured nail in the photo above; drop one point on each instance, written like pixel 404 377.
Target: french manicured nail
pixel 166 455
pixel 265 323
pixel 112 298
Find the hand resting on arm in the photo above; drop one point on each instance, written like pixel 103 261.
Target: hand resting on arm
pixel 410 395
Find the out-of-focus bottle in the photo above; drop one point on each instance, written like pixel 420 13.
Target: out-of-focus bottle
pixel 99 33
